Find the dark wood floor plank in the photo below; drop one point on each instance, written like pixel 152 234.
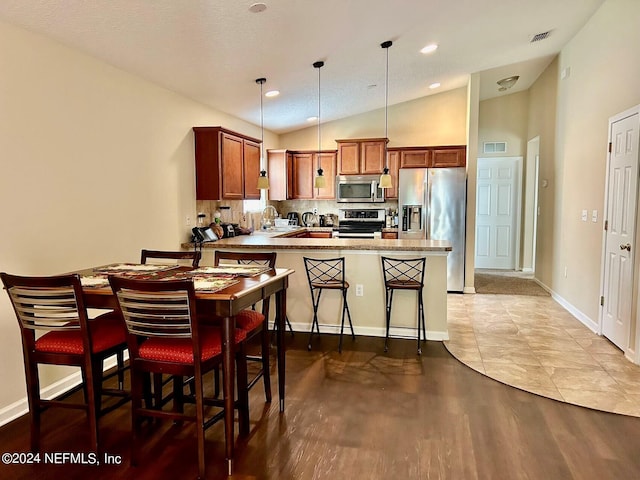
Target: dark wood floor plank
pixel 364 414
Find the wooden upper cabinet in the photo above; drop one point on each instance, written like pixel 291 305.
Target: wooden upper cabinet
pixel 393 163
pixel 415 158
pixel 292 173
pixel 433 157
pixel 372 157
pixel 328 163
pixel 279 172
pixel 251 169
pixel 348 158
pixel 454 156
pixel 361 156
pixel 227 164
pixel 302 171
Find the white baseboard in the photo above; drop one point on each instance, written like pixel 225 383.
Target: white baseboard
pixel 581 316
pixel 469 290
pixel 21 407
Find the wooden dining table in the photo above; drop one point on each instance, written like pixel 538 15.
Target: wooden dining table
pixel 224 303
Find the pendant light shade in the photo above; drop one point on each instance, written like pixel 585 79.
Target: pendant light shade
pixel 320 181
pixel 263 180
pixel 385 178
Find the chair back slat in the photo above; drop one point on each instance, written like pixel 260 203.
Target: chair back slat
pixel 194 256
pixel 156 314
pixel 245 258
pixel 45 308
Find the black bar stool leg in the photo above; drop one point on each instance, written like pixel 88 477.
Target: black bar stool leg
pixel 388 300
pixel 315 303
pixel 346 306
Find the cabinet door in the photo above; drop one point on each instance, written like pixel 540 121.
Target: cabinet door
pixel 231 162
pixel 302 170
pixel 371 157
pixel 449 157
pixel 328 162
pixel 415 158
pixel 278 172
pixel 348 158
pixel 251 172
pixel 393 163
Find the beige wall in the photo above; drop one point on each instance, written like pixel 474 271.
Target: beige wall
pixel 604 76
pixel 542 124
pixel 438 119
pixel 504 119
pixel 95 165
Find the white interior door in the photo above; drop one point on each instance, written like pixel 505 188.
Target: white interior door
pixel 620 230
pixel 498 196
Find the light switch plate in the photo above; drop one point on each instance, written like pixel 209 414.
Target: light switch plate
pixel 594 216
pixel 584 215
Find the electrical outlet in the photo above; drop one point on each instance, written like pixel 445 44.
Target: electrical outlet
pixel 187 221
pixel 315 211
pixel 359 290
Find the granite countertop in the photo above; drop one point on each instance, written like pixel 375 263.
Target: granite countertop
pixel 282 241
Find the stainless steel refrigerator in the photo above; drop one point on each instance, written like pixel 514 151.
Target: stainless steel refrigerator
pixel 432 205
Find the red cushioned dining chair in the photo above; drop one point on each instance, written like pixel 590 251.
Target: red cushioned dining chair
pixel 251 321
pixel 55 305
pixel 145 255
pixel 165 336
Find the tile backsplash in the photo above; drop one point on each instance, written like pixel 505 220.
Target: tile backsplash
pixel 236 214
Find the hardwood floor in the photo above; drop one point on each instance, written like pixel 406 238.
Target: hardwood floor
pixel 365 415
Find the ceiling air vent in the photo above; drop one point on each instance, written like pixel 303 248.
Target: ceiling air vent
pixel 540 36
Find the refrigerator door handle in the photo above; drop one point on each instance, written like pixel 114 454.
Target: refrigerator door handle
pixel 427 205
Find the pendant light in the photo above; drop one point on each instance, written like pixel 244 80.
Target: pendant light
pixel 385 178
pixel 263 180
pixel 320 181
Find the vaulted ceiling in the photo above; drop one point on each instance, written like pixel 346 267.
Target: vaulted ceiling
pixel 213 50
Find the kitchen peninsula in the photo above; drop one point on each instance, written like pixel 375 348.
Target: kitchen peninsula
pixel 363 267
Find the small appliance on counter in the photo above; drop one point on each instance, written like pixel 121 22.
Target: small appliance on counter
pixel 309 219
pixel 294 218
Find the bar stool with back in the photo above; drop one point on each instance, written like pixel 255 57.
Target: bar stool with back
pixel 322 275
pixel 55 305
pixel 404 274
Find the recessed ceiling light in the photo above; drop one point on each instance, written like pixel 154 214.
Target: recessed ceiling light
pixel 272 93
pixel 434 85
pixel 257 7
pixel 432 47
pixel 312 119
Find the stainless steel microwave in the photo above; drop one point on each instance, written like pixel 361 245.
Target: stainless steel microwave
pixel 359 189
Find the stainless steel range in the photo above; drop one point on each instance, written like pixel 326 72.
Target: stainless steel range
pixel 360 223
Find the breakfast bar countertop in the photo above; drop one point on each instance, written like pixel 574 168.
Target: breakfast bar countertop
pixel 278 242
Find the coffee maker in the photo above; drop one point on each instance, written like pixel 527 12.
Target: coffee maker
pixel 294 218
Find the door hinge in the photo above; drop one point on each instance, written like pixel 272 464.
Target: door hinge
pixel 610 146
pixel 602 301
pixel 606 225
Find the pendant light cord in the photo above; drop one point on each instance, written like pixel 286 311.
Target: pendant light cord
pixel 386 46
pixel 319 65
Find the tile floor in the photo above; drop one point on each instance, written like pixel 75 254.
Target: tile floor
pixel 534 344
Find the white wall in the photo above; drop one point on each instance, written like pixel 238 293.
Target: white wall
pixel 95 164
